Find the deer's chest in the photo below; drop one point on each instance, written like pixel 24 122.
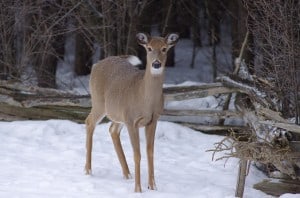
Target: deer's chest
pixel 147 116
pixel 143 120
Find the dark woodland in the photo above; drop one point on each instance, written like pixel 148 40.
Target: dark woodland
pixel 34 33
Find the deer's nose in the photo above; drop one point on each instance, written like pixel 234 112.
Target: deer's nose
pixel 156 64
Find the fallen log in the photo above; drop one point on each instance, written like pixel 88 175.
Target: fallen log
pixel 204 113
pixel 20 95
pixel 75 113
pixel 277 188
pixel 212 128
pixel 19 102
pixel 288 126
pixel 255 94
pixel 192 92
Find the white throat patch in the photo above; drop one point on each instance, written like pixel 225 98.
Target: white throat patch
pixel 158 71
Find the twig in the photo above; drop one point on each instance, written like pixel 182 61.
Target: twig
pixel 239 59
pixel 167 18
pixel 61 18
pixel 94 9
pixel 235 72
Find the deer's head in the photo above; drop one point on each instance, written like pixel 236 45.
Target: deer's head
pixel 157 48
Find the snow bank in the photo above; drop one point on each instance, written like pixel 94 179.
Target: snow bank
pixel 46 159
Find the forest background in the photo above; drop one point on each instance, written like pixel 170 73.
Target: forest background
pixel 34 35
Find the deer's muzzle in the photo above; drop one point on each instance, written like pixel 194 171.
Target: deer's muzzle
pixel 156 64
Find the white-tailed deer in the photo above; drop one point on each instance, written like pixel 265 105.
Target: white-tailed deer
pixel 132 97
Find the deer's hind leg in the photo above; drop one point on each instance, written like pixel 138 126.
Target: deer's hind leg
pixel 115 129
pixel 91 121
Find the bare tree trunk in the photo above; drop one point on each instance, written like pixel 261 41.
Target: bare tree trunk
pixel 21 21
pixel 195 26
pixel 109 41
pixel 144 25
pixel 83 56
pixel 7 41
pixel 48 41
pixel 239 21
pixel 46 70
pixel 213 10
pixel 188 23
pixel 134 14
pixel 3 66
pixel 169 24
pixel 277 48
pixel 214 60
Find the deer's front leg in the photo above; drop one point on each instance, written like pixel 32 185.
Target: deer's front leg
pixel 135 142
pixel 150 136
pixel 115 129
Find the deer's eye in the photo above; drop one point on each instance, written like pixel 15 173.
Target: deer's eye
pixel 164 49
pixel 149 49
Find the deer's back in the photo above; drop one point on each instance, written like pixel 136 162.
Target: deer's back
pixel 114 82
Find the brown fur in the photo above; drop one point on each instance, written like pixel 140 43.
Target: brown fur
pixel 127 95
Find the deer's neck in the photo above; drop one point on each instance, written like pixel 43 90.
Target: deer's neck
pixel 152 87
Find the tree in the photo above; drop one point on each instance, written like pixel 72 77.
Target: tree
pixel 48 22
pixel 275 25
pixel 10 36
pixel 239 28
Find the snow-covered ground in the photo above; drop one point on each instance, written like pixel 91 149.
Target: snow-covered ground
pixel 46 159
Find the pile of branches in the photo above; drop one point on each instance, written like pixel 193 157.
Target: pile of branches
pixel 278 152
pixel 269 138
pixel 270 134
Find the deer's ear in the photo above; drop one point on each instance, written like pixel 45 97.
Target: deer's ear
pixel 143 38
pixel 171 39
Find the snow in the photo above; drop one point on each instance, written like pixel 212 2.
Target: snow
pixel 46 159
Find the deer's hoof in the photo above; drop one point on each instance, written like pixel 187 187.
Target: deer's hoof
pixel 138 189
pixel 127 176
pixel 88 171
pixel 152 187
